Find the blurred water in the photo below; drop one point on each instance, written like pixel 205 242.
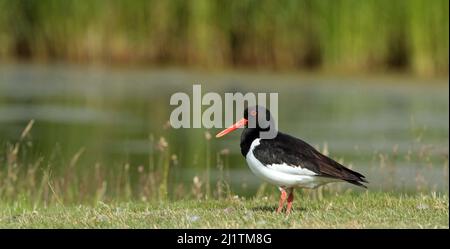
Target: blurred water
pixel 393 129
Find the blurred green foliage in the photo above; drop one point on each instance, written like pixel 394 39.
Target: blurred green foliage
pixel 342 35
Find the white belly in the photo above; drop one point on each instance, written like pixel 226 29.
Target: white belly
pixel 282 174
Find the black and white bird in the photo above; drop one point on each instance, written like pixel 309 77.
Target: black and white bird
pixel 286 161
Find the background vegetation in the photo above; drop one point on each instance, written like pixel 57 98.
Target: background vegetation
pixel 338 35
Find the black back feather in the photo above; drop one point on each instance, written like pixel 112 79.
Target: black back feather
pixel 297 153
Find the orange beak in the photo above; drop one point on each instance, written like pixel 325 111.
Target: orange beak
pixel 238 124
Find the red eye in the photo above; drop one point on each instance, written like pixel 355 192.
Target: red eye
pixel 253 113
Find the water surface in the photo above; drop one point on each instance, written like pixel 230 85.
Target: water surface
pixel 393 129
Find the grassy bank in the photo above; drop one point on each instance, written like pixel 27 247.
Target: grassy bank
pixel 343 35
pixel 37 179
pixel 350 210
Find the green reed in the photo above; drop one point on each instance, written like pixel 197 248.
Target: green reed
pixel 342 35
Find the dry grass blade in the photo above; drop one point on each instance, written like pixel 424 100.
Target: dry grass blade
pixel 27 129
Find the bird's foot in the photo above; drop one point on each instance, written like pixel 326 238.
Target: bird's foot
pixel 282 200
pixel 289 202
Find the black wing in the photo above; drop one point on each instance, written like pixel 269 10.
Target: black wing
pixel 297 153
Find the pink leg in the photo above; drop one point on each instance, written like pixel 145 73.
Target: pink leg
pixel 290 200
pixel 282 200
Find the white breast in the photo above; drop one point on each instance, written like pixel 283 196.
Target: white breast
pixel 282 174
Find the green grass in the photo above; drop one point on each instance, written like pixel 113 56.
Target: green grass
pixel 346 210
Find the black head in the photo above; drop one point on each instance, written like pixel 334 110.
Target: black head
pixel 258 117
pixel 258 123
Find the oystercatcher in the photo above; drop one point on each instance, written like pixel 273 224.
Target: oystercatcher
pixel 286 161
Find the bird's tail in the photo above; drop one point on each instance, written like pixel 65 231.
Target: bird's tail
pixel 355 178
